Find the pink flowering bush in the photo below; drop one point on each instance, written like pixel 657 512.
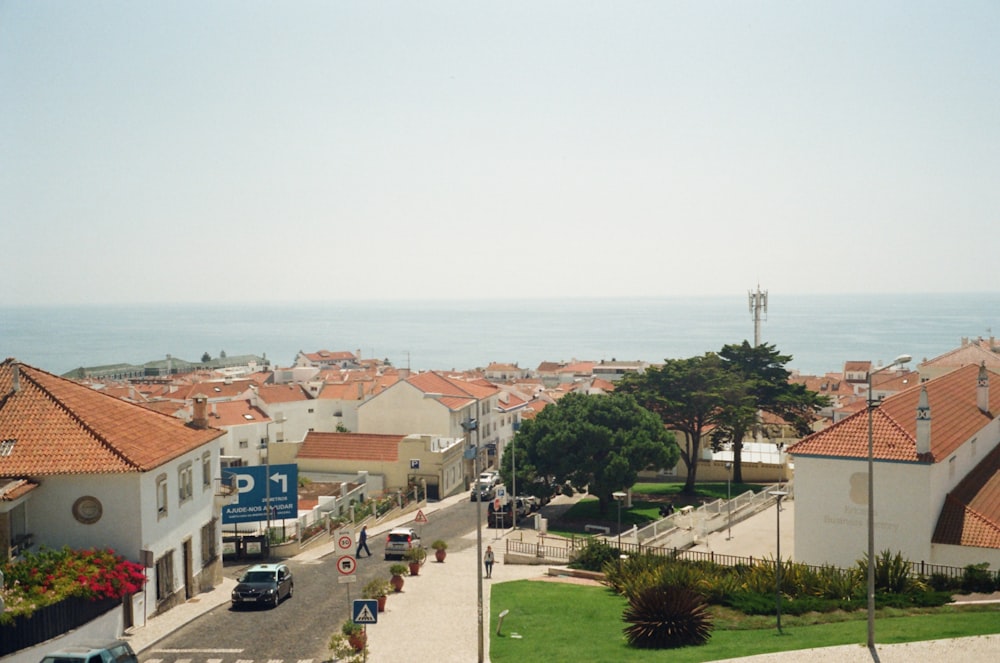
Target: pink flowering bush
pixel 50 576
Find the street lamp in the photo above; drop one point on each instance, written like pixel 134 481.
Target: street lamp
pixel 468 426
pixel 898 361
pixel 778 494
pixel 619 497
pixel 729 502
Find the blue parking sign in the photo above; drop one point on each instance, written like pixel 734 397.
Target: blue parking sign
pixel 255 485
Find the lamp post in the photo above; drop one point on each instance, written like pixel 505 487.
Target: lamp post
pixel 729 502
pixel 619 497
pixel 778 494
pixel 898 361
pixel 470 425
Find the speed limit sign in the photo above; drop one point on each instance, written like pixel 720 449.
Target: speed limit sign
pixel 345 539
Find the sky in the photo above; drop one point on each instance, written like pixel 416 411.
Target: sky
pixel 382 150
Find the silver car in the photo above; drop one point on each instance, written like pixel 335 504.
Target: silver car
pixel 399 540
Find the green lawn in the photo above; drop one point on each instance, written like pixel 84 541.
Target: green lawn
pixel 563 622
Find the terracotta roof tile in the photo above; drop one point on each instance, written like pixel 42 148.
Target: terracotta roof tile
pixel 971 513
pixel 51 425
pixel 351 446
pixel 955 418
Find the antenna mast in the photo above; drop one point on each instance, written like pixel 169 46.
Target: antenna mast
pixel 758 306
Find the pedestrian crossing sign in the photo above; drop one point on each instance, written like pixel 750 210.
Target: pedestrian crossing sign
pixel 364 611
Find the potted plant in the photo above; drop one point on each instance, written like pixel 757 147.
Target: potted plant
pixel 415 557
pixel 397 571
pixel 377 589
pixel 440 549
pixel 355 634
pixel 344 652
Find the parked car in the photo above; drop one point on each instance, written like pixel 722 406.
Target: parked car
pixel 264 583
pixel 483 492
pixel 114 651
pixel 489 478
pixel 399 540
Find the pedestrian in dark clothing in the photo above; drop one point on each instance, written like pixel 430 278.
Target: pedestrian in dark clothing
pixel 488 561
pixel 363 542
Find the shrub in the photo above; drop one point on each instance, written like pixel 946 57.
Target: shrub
pixel 977 578
pixel 594 556
pixel 666 617
pixel 50 576
pixel 752 603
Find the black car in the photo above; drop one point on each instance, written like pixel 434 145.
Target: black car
pixel 264 583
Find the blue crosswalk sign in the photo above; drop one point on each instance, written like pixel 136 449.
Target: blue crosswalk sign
pixel 364 611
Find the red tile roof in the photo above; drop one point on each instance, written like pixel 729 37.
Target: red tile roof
pixel 971 512
pixel 350 446
pixel 955 418
pixel 454 394
pixel 282 393
pixel 50 425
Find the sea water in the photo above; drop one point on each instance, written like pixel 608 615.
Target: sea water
pixel 820 332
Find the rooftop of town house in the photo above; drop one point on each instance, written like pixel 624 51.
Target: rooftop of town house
pixel 956 416
pixel 50 425
pixel 350 446
pixel 235 413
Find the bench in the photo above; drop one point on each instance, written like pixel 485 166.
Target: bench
pixel 597 528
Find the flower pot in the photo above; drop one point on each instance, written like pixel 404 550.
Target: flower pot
pixel 414 568
pixel 381 603
pixel 358 640
pixel 397 583
pixel 440 554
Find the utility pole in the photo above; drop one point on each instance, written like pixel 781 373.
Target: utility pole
pixel 758 307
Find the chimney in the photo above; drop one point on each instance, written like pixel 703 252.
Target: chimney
pixel 200 418
pixel 923 423
pixel 983 390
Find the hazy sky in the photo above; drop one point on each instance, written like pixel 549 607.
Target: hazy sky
pixel 260 151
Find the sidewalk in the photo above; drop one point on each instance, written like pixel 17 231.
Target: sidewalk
pixel 434 617
pixel 160 626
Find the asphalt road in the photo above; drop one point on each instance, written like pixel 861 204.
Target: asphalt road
pixel 300 627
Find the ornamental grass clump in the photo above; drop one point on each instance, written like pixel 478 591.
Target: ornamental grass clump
pixel 50 576
pixel 667 617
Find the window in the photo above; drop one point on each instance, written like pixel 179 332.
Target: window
pixel 206 471
pixel 161 496
pixel 208 549
pixel 165 576
pixel 243 443
pixel 185 482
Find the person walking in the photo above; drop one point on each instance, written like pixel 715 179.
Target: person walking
pixel 488 561
pixel 363 542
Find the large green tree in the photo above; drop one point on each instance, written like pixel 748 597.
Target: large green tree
pixel 765 379
pixel 597 442
pixel 689 395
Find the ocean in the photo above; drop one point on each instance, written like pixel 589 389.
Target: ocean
pixel 820 332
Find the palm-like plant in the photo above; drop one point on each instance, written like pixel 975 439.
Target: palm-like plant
pixel 664 617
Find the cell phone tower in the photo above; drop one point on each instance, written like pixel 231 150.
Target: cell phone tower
pixel 758 308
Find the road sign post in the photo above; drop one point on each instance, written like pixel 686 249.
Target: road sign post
pixel 364 611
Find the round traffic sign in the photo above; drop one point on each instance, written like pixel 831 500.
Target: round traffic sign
pixel 347 565
pixel 344 542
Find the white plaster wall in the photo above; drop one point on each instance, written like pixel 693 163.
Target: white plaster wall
pixel 50 513
pixel 182 520
pixel 831 510
pixel 402 409
pixel 962 556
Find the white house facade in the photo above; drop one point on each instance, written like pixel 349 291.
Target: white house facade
pixel 936 477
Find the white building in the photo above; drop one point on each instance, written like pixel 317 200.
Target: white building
pixel 936 476
pixel 83 469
